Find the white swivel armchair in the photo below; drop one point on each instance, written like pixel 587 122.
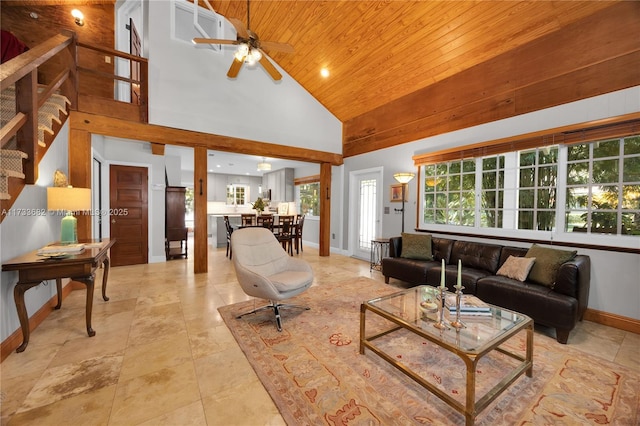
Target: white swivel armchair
pixel 266 271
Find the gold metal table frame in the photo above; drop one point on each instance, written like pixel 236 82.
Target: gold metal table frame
pixel 403 310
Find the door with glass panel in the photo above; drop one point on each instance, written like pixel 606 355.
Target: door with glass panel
pixel 367 206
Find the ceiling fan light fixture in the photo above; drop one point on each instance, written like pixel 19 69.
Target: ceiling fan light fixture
pixel 242 51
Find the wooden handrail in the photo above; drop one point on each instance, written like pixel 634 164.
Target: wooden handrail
pixel 23 64
pixel 141 82
pixel 113 52
pixel 53 87
pixel 108 75
pixel 11 128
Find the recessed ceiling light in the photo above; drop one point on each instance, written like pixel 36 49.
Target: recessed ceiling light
pixel 218 165
pixel 324 72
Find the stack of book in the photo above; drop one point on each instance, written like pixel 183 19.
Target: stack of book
pixel 469 305
pixel 61 248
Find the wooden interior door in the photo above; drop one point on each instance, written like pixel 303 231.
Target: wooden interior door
pixel 135 48
pixel 128 215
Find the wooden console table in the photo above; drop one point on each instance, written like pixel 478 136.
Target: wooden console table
pixel 33 269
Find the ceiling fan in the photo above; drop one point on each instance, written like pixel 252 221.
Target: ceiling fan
pixel 249 48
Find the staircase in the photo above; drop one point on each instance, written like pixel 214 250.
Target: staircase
pixel 50 116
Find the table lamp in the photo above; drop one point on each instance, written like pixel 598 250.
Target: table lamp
pixel 403 178
pixel 69 199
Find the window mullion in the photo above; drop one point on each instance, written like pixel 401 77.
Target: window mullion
pixel 561 188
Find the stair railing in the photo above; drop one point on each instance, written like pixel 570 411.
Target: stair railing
pixel 22 71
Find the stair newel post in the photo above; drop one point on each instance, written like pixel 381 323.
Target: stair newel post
pixel 27 135
pixel 71 84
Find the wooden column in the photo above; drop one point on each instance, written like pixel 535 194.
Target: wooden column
pixel 200 248
pixel 80 170
pixel 325 209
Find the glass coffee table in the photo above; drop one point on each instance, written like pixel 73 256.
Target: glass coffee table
pixel 481 335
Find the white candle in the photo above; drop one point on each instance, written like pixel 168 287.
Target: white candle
pixel 442 275
pixel 459 283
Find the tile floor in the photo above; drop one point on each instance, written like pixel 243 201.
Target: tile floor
pixel 163 355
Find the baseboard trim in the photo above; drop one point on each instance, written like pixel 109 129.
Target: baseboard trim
pixel 12 342
pixel 613 320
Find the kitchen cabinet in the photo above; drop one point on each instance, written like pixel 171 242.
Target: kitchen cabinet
pixel 217 187
pixel 280 182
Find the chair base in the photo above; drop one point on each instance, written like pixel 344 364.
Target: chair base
pixel 276 310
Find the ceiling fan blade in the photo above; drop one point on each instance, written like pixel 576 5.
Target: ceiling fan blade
pixel 274 45
pixel 199 40
pixel 273 72
pixel 240 28
pixel 235 68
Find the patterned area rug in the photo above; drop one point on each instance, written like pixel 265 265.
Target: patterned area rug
pixel 315 374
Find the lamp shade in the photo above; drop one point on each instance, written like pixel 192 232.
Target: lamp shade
pixel 69 198
pixel 404 177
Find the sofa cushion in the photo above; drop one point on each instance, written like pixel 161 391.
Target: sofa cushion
pixel 548 261
pixel 409 270
pixel 476 255
pixel 516 267
pixel 441 249
pixel 541 303
pixel 416 246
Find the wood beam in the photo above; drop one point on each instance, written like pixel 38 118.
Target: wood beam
pixel 157 148
pixel 591 57
pixel 325 209
pixel 200 249
pixel 80 170
pixel 171 136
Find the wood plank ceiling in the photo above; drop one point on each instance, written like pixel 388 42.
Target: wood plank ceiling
pixel 379 51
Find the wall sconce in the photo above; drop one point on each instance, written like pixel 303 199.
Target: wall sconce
pixel 403 178
pixel 78 16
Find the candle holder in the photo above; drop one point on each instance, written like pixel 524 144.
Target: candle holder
pixel 457 323
pixel 441 324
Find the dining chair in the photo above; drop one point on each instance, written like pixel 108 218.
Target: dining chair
pixel 265 220
pixel 229 230
pixel 286 233
pixel 298 233
pixel 247 219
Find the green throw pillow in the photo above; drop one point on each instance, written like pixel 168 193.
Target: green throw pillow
pixel 416 246
pixel 547 263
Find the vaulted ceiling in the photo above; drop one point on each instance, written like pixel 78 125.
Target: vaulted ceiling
pixel 379 51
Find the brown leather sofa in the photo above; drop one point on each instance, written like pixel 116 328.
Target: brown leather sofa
pixel 560 307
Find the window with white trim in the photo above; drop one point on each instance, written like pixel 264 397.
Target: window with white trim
pixel 237 194
pixel 603 187
pixel 537 188
pixel 526 190
pixel 492 195
pixel 449 193
pixel 309 199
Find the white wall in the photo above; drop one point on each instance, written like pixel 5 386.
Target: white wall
pixel 189 90
pixel 21 234
pixel 614 279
